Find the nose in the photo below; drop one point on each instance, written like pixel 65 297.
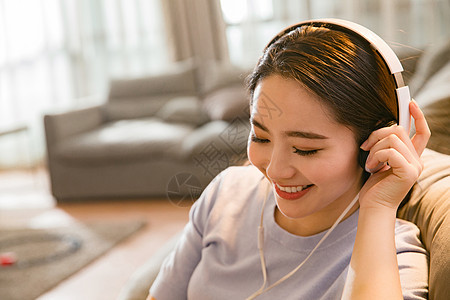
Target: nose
pixel 279 167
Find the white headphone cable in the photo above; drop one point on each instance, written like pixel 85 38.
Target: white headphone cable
pixel 263 288
pixel 260 246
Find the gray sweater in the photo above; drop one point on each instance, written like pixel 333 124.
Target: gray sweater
pixel 217 256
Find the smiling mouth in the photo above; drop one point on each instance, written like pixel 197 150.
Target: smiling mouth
pixel 293 189
pixel 292 192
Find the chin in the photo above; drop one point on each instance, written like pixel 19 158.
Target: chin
pixel 292 210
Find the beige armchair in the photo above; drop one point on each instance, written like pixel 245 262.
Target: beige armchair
pixel 155 136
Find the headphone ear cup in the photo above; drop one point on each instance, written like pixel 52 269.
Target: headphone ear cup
pixel 362 158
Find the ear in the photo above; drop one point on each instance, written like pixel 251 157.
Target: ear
pixel 362 158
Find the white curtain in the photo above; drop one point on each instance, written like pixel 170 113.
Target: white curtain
pixel 413 23
pixel 58 54
pixel 196 30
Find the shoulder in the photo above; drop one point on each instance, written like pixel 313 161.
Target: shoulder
pixel 233 180
pixel 232 188
pixel 241 175
pixel 235 184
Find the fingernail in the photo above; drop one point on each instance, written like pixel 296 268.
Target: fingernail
pixel 376 169
pixel 368 169
pixel 364 145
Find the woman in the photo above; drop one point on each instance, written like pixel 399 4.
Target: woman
pixel 319 98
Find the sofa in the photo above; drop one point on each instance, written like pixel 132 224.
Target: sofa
pixel 428 74
pixel 164 135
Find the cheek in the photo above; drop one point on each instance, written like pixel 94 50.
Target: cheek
pixel 340 168
pixel 331 169
pixel 259 155
pixel 254 154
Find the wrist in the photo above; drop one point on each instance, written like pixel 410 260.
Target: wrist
pixel 376 213
pixel 386 204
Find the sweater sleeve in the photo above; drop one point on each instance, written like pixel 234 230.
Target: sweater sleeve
pixel 412 260
pixel 175 273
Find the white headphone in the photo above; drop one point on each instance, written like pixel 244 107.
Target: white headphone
pixel 379 45
pixel 403 99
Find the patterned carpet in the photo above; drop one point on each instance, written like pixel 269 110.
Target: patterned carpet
pixel 45 257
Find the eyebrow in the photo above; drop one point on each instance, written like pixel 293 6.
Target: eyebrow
pixel 299 134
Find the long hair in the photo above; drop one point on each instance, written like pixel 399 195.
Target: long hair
pixel 342 69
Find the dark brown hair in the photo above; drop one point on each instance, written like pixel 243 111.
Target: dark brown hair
pixel 342 69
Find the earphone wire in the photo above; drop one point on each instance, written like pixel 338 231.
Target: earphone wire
pixel 261 245
pixel 263 288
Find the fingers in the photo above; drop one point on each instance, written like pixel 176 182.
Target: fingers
pixel 393 142
pixel 398 163
pixel 382 133
pixel 416 144
pixel 392 145
pixel 423 133
pixel 399 158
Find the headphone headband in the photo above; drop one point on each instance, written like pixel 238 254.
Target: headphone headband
pixel 375 41
pixel 378 44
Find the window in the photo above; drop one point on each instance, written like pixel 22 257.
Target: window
pixel 58 53
pixel 251 23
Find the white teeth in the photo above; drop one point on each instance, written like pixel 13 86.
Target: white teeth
pixel 293 189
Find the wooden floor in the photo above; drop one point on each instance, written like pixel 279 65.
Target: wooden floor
pixel 25 202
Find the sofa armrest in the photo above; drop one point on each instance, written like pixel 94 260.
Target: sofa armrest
pixel 138 286
pixel 62 125
pixel 429 209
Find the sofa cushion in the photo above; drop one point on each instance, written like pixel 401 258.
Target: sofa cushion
pixel 141 97
pixel 429 208
pixel 134 108
pixel 218 133
pixel 183 110
pixel 125 140
pixel 217 75
pixel 180 80
pixel 437 115
pixel 227 103
pixel 217 145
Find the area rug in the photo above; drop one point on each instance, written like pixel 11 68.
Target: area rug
pixel 45 257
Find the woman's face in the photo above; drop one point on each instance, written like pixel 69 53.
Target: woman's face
pixel 310 159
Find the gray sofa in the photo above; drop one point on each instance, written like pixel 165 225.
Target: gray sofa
pixel 165 135
pixel 429 205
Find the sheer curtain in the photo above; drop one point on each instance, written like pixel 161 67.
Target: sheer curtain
pixel 57 54
pixel 196 29
pixel 414 23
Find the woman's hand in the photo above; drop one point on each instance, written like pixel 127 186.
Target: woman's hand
pixel 401 155
pixel 373 272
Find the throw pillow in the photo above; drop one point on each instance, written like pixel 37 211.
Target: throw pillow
pixel 227 103
pixel 183 110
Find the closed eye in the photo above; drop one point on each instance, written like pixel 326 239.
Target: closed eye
pixel 256 139
pixel 305 152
